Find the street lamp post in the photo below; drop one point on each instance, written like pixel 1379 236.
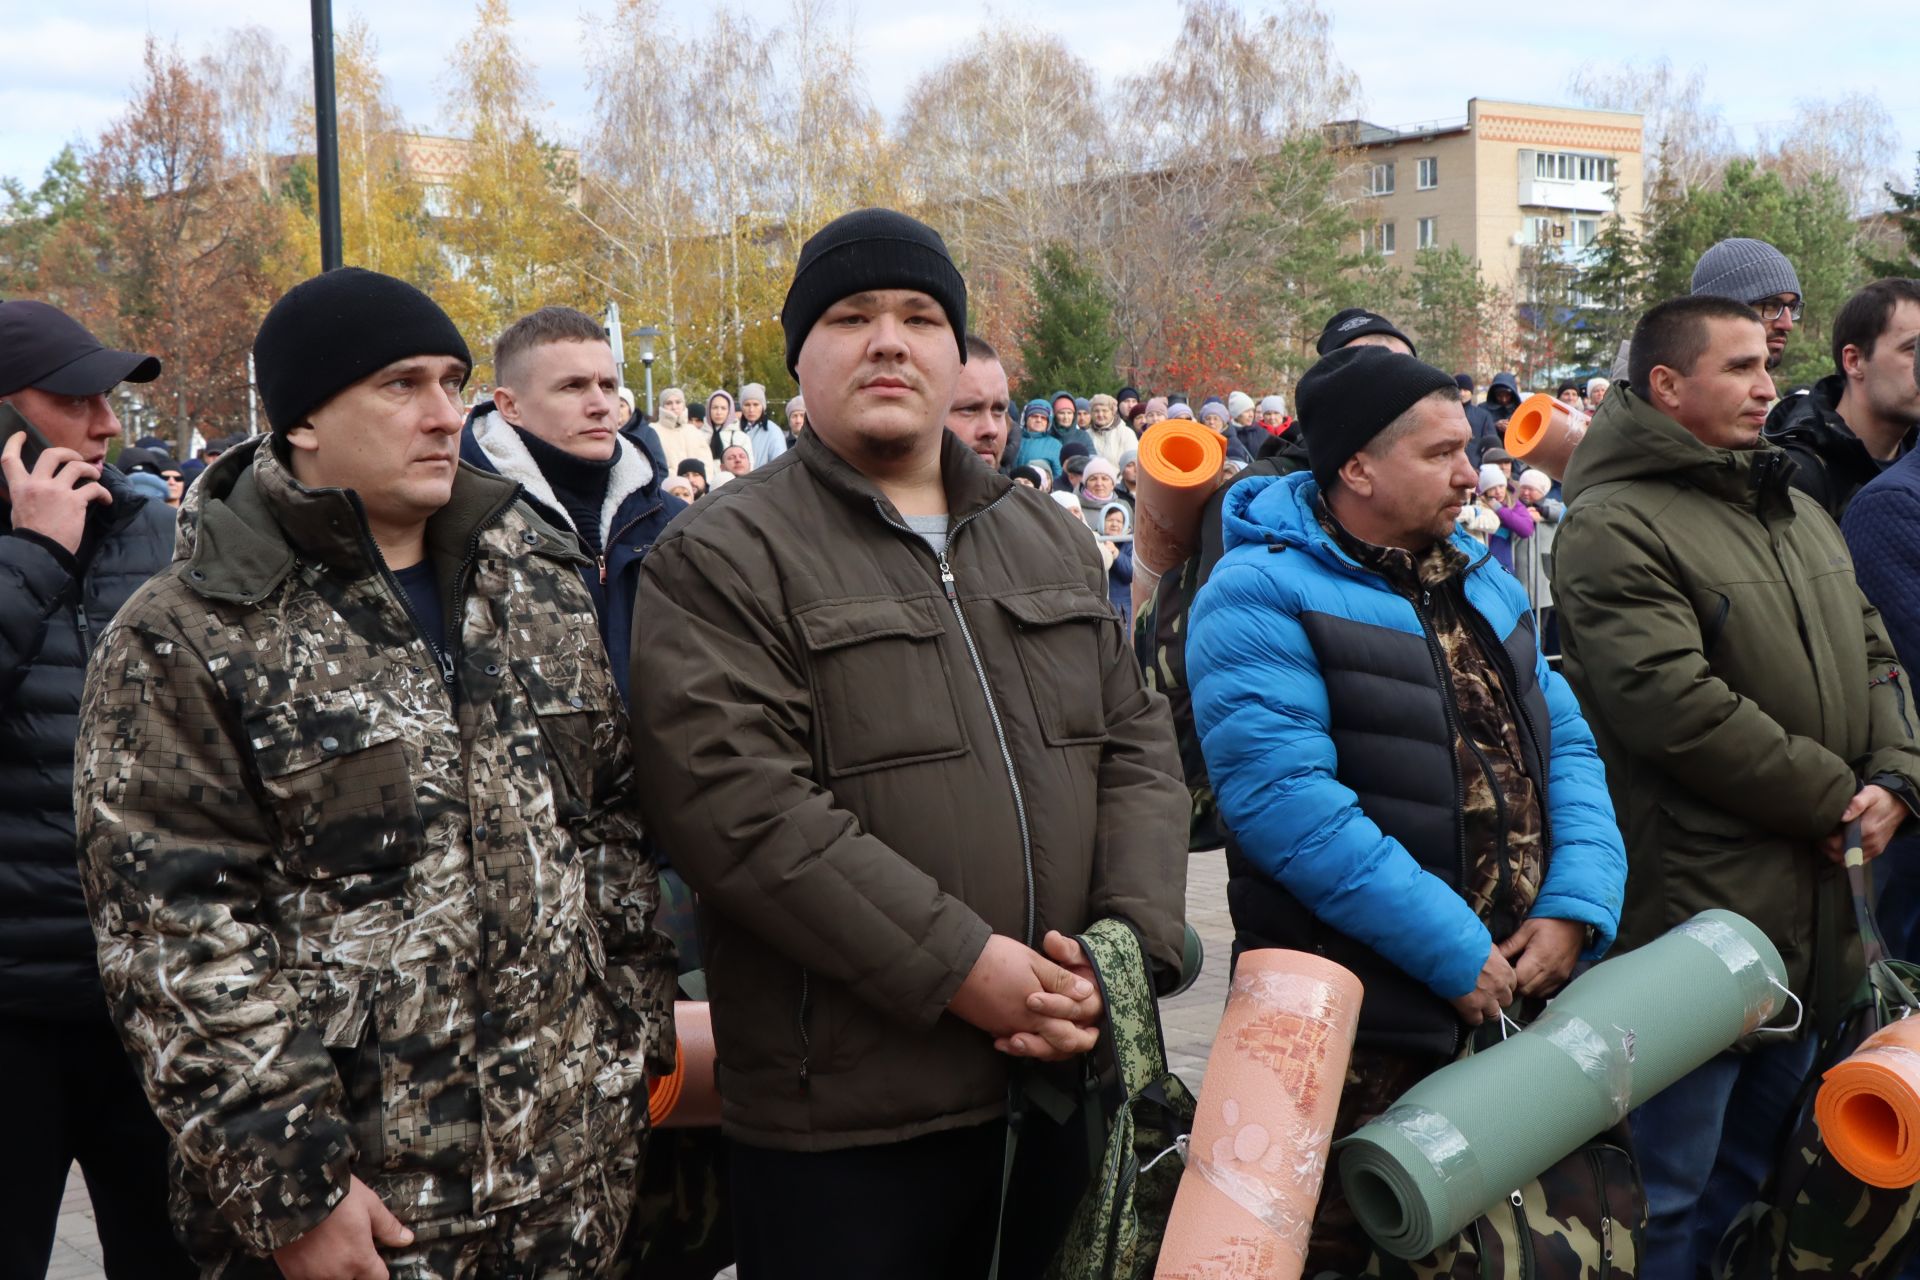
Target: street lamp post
pixel 326 121
pixel 610 321
pixel 645 336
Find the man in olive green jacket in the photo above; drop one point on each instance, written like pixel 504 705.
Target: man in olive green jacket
pixel 894 736
pixel 1747 703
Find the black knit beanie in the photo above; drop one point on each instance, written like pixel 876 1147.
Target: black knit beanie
pixel 1352 395
pixel 871 249
pixel 327 333
pixel 1355 322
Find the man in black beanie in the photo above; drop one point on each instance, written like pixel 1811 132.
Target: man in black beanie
pixel 1407 786
pixel 356 834
pixel 896 740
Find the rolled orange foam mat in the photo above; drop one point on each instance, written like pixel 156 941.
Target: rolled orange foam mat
pixel 1868 1107
pixel 689 1097
pixel 1258 1153
pixel 1180 465
pixel 1544 433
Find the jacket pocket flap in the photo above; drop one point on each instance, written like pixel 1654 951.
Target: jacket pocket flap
pixel 336 1003
pixel 553 686
pixel 1050 606
pixel 314 728
pixel 846 622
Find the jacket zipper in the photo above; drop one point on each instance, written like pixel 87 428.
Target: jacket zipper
pixel 1510 677
pixel 993 708
pixel 1006 755
pixel 1453 757
pixel 1523 1235
pixel 452 638
pixel 1606 1211
pixel 806 1042
pixel 986 691
pixel 86 628
pixel 1453 727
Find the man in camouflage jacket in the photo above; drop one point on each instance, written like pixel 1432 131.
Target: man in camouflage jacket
pixel 373 912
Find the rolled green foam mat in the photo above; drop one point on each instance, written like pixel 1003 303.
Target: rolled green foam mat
pixel 1473 1132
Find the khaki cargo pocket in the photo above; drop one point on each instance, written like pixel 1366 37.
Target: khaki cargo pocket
pixel 340 781
pixel 882 683
pixel 1061 633
pixel 561 700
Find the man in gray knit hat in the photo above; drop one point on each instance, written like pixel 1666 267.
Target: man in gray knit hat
pixel 1756 273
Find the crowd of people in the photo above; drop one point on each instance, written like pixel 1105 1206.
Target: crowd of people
pixel 355 781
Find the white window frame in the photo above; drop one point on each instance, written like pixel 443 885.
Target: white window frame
pixel 1384 238
pixel 1380 179
pixel 1429 233
pixel 1572 166
pixel 1427 175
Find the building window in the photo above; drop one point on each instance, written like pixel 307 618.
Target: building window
pixel 1585 232
pixel 1380 181
pixel 438 200
pixel 1383 237
pixel 1536 231
pixel 1429 237
pixel 1568 166
pixel 1428 176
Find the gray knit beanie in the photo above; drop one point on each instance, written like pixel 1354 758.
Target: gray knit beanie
pixel 1744 270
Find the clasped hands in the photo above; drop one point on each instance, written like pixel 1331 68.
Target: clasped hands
pixel 1034 1005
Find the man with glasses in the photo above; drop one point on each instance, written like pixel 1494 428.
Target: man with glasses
pixel 1756 273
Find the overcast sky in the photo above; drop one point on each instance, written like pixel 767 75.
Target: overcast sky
pixel 66 65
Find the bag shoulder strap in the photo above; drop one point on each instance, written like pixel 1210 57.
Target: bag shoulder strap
pixel 1132 1014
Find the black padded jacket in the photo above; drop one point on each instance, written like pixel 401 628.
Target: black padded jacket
pixel 52 607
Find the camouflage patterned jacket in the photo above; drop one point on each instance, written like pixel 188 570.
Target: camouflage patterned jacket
pixel 355 916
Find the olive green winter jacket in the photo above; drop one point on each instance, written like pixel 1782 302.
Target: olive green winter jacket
pixel 867 757
pixel 1740 686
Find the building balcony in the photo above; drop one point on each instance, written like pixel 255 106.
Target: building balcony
pixel 1582 197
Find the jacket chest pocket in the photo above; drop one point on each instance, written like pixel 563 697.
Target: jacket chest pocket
pixel 1061 635
pixel 564 712
pixel 882 684
pixel 340 782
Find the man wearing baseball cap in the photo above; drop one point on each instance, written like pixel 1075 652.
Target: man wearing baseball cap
pixel 77 541
pixel 356 832
pixel 894 736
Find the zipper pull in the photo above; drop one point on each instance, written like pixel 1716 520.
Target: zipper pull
pixel 602 562
pixel 446 667
pixel 946 578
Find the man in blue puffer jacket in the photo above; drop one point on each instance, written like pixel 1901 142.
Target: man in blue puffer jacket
pixel 1411 791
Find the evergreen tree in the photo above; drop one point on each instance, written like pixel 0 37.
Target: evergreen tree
pixel 1070 343
pixel 1810 223
pixel 1612 288
pixel 1312 250
pixel 1448 301
pixel 1906 221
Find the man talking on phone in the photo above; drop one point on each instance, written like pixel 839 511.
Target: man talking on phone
pixel 75 542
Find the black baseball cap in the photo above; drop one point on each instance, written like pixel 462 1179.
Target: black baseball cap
pixel 1355 322
pixel 43 347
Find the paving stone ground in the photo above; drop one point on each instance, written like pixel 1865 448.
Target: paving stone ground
pixel 1189 1020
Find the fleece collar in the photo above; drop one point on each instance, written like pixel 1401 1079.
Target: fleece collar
pixel 509 456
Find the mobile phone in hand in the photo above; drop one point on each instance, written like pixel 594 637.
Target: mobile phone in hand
pixel 12 423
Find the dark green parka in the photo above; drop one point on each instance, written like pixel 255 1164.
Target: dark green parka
pixel 1740 686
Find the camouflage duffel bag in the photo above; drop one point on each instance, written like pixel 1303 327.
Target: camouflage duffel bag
pixel 1583 1219
pixel 1116 1228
